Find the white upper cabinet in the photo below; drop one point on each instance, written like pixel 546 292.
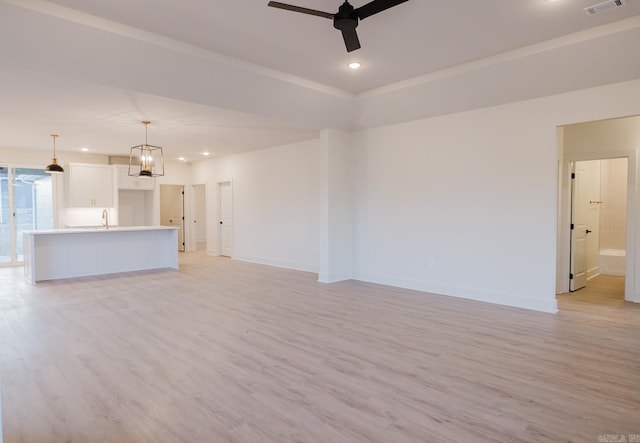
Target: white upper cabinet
pixel 88 185
pixel 127 182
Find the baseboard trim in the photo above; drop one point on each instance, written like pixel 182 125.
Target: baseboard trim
pixel 334 278
pixel 536 304
pixel 286 264
pixel 590 276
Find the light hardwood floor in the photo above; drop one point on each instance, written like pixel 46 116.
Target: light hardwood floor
pixel 225 351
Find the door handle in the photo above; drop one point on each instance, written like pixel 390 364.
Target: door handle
pixel 587 231
pixel 220 221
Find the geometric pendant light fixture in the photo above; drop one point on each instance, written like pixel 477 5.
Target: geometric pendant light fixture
pixel 146 160
pixel 54 167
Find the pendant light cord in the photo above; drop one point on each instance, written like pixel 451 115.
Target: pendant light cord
pixel 146 131
pixel 54 144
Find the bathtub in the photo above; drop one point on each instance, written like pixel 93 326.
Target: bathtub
pixel 612 261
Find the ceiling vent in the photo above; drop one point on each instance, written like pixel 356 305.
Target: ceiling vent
pixel 604 6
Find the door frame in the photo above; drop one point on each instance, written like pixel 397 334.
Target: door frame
pixel 564 218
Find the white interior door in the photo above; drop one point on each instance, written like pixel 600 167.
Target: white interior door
pixel 579 231
pixel 226 219
pixel 199 216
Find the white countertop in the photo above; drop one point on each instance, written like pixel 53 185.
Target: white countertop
pixel 98 230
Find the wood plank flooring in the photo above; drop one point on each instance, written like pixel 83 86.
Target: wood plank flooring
pixel 225 351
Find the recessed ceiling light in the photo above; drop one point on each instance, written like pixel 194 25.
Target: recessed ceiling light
pixel 205 153
pixel 181 159
pixel 355 65
pixel 84 149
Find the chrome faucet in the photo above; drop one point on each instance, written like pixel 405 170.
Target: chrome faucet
pixel 105 218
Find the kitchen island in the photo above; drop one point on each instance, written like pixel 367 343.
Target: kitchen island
pixel 67 253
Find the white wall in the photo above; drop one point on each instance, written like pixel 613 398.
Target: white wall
pixel 135 207
pixel 588 173
pixel 458 205
pixel 336 206
pixel 606 135
pixel 276 201
pixel 613 209
pixel 465 204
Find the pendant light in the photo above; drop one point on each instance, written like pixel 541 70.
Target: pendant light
pixel 146 160
pixel 54 167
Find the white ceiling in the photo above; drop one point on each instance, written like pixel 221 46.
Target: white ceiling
pixel 109 120
pixel 230 76
pixel 411 39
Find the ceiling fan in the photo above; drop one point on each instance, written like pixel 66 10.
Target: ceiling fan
pixel 346 19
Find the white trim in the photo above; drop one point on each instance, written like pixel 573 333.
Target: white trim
pixel 507 299
pixel 593 272
pixel 334 278
pixel 285 264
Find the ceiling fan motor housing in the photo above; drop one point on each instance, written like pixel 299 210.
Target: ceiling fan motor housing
pixel 346 18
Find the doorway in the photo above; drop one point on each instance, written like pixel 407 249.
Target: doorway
pixel 599 140
pixel 225 209
pixel 598 219
pixel 27 204
pixel 172 210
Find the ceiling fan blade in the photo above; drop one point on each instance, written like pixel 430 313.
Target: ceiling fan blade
pixel 300 9
pixel 351 40
pixel 376 6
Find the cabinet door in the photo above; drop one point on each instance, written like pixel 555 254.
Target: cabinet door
pixel 103 186
pixel 89 186
pixel 80 186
